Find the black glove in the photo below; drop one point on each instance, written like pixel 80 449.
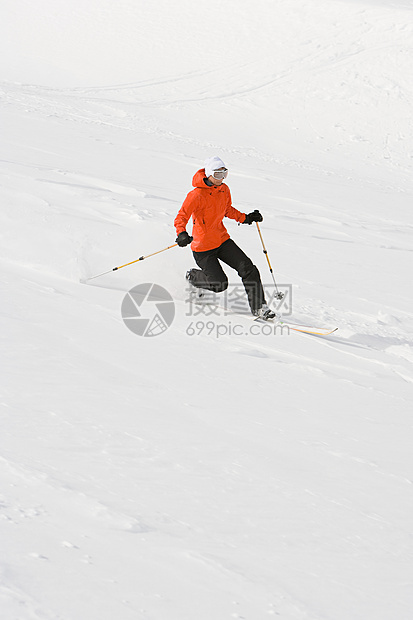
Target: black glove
pixel 255 216
pixel 183 239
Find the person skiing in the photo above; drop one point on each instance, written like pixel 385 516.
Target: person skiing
pixel 208 203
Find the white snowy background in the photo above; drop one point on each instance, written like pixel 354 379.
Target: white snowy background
pixel 186 477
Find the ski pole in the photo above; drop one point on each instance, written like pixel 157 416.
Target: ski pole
pixel 278 294
pixel 132 262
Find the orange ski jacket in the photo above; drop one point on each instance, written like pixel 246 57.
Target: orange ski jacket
pixel 208 206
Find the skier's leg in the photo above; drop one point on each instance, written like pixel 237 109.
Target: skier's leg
pixel 210 276
pixel 233 256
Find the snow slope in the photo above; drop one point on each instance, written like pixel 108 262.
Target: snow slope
pixel 214 475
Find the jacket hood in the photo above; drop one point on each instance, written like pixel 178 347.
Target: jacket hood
pixel 198 179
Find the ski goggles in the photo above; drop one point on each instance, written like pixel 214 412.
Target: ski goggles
pixel 220 174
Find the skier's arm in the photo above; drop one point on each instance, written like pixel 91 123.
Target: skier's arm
pixel 233 213
pixel 184 214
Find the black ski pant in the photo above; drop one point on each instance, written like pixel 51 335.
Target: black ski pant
pixel 212 277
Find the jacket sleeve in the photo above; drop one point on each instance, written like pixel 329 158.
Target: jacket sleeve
pixel 233 213
pixel 184 213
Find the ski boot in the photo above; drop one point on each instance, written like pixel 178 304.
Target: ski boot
pixel 196 293
pixel 264 313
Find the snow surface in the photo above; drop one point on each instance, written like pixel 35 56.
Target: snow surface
pixel 201 477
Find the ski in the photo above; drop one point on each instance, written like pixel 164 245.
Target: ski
pixel 305 329
pixel 200 299
pixel 277 320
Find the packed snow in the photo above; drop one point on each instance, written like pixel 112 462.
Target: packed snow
pixel 212 471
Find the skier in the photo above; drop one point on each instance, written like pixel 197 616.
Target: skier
pixel 208 204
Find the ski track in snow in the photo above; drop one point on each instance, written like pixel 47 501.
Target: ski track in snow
pixel 211 475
